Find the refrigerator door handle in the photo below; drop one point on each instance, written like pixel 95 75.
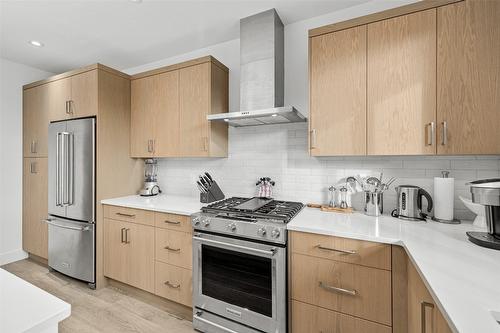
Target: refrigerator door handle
pixel 58 169
pixel 71 169
pixel 65 185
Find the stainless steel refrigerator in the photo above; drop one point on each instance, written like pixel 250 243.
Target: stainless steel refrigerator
pixel 72 198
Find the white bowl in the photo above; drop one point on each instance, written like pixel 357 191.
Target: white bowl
pixel 478 209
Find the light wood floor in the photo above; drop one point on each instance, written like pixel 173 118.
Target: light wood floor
pixel 106 310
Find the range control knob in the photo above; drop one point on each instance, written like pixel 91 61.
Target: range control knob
pixel 275 233
pixel 261 232
pixel 206 222
pixel 231 227
pixel 196 220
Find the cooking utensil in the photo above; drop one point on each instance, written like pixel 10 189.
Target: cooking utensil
pixel 204 182
pixel 209 177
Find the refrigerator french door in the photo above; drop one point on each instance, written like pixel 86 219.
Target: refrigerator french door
pixel 71 196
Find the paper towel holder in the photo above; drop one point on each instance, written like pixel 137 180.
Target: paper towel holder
pixel 445 174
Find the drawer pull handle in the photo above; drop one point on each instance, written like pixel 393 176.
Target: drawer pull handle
pixel 123 235
pixel 423 320
pixel 173 286
pixel 172 222
pixel 319 246
pixel 171 249
pixel 338 290
pixel 126 215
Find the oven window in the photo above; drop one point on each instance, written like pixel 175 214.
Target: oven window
pixel 237 278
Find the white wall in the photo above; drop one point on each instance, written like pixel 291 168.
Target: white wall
pixel 280 151
pixel 12 77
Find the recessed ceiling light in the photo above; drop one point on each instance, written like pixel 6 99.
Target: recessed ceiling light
pixel 36 43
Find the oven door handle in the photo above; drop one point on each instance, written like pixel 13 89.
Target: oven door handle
pixel 270 252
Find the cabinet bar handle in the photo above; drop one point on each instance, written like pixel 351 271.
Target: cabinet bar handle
pixel 70 107
pixel 171 249
pixel 126 236
pixel 444 136
pixel 172 222
pixel 126 215
pixel 123 235
pixel 313 139
pixel 174 286
pixel 319 246
pixel 33 167
pixel 429 141
pixel 424 305
pixel 67 108
pixel 337 289
pixel 33 147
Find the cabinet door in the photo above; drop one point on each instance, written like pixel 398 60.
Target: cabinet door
pixel 144 100
pixel 194 86
pixel 167 115
pixel 35 206
pixel 338 93
pixel 140 264
pixel 423 314
pixel 59 97
pixel 35 121
pixel 116 251
pixel 402 85
pixel 468 68
pixel 83 102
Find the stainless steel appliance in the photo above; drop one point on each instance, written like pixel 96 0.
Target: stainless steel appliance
pixel 151 187
pixel 71 196
pixel 410 203
pixel 487 192
pixel 240 265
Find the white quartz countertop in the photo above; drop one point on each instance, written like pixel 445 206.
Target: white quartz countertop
pixel 463 278
pixel 173 204
pixel 26 308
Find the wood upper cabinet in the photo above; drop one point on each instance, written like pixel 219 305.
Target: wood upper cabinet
pixel 129 253
pixel 35 189
pixel 423 314
pixel 35 121
pixel 468 68
pixel 74 96
pixel 401 85
pixel 338 93
pixel 170 107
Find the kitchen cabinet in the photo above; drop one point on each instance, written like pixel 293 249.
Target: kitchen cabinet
pixel 338 93
pixel 401 85
pixel 423 313
pixel 174 283
pixel 129 253
pixel 35 121
pixel 468 63
pixel 74 96
pixel 170 107
pixel 35 189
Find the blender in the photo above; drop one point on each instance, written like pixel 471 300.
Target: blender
pixel 151 186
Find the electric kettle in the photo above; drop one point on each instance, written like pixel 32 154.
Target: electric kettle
pixel 410 203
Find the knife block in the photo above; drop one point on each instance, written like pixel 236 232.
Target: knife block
pixel 214 194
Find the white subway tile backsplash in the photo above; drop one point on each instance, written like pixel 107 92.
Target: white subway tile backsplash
pixel 280 152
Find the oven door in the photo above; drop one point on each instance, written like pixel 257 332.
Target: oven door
pixel 240 280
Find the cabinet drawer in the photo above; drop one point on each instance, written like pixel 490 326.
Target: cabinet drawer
pixel 173 222
pixel 174 247
pixel 352 289
pixel 309 318
pixel 174 283
pixel 129 214
pixel 343 249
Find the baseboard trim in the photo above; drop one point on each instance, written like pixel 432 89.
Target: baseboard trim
pixel 16 255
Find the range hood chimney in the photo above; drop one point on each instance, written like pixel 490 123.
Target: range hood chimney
pixel 261 74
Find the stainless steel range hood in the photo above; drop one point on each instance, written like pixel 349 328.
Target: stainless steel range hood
pixel 261 75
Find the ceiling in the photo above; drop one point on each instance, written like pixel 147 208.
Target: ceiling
pixel 124 33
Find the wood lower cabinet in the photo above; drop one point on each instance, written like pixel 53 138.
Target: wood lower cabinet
pixel 174 283
pixel 423 313
pixel 401 85
pixel 468 70
pixel 35 188
pixel 170 107
pixel 174 247
pixel 338 93
pixel 308 318
pixel 35 121
pixel 129 253
pixel 74 96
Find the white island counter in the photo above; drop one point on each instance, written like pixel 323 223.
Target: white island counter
pixel 26 308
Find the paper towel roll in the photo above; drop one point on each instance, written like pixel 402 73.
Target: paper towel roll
pixel 444 189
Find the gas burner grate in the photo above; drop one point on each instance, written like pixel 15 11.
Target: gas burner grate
pixel 277 210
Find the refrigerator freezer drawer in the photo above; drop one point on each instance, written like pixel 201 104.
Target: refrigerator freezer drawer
pixel 71 248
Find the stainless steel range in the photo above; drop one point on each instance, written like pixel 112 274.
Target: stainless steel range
pixel 239 265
